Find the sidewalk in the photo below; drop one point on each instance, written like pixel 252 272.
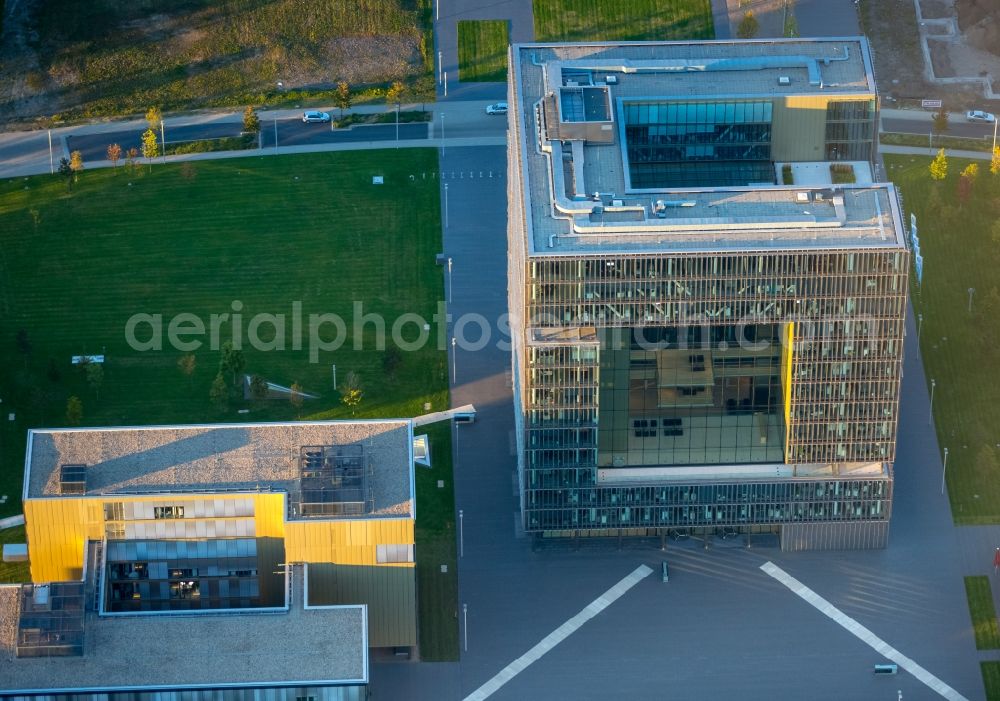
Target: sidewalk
pixel 43 169
pixel 923 151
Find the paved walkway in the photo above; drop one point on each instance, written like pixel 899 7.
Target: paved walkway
pixel 522 29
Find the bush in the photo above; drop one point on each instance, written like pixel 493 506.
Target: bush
pixel 842 173
pixel 230 143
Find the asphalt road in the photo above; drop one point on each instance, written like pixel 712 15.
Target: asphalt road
pixel 291 132
pixel 957 126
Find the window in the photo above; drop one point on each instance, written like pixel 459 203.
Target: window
pixel 168 512
pixel 393 553
pixel 114 511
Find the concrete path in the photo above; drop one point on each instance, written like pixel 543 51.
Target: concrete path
pixel 522 29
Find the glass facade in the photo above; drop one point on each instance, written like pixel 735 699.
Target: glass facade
pixel 823 390
pixel 850 129
pixel 691 396
pixel 698 144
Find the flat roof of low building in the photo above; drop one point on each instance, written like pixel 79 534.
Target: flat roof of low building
pixel 224 457
pixel 305 646
pixel 578 196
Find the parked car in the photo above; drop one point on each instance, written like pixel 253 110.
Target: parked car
pixel 980 116
pixel 497 108
pixel 315 117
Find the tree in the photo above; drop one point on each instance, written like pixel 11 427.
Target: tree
pixel 995 161
pixel 352 394
pixel 95 378
pixel 232 360
pixel 939 121
pixel 114 154
pixel 966 182
pixel 219 392
pixel 74 411
pixel 939 166
pixel 344 97
pixel 66 172
pixel 154 117
pixel 75 163
pixel 749 26
pixel 131 156
pixel 187 364
pixel 296 397
pixel 251 122
pixel 150 146
pixel 258 388
pixel 394 95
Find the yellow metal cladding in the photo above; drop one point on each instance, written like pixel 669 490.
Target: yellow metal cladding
pixel 345 542
pixel 58 529
pixel 786 378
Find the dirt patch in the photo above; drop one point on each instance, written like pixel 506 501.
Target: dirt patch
pixel 940 59
pixel 935 9
pixel 89 60
pixel 891 26
pixel 979 21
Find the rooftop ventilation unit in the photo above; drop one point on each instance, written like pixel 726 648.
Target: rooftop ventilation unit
pixel 611 79
pixel 784 80
pixel 73 479
pixel 801 196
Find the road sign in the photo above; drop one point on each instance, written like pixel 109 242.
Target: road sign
pixel 930 104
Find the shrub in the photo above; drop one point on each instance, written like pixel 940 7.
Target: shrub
pixel 786 174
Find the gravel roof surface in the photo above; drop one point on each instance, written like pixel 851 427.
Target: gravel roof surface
pixel 307 645
pixel 224 456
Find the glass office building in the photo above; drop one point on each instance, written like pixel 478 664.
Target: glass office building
pixel 698 347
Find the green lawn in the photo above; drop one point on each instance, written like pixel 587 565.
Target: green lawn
pixel 959 143
pixel 482 50
pixel 991 680
pixel 982 611
pixel 13 571
pixel 264 232
pixel 961 351
pixel 435 536
pixel 609 20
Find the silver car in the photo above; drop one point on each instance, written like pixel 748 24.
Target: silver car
pixel 497 108
pixel 313 117
pixel 979 116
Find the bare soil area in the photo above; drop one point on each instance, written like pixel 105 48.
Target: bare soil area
pixel 67 59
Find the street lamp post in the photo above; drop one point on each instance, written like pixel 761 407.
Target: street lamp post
pixel 465 626
pixel 944 469
pixel 454 362
pixel 446 216
pixel 930 418
pixel 461 533
pixel 449 279
pixel 920 323
pixel 442 133
pixel 275 134
pixel 397 125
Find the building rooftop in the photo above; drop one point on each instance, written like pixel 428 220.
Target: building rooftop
pixel 230 457
pixel 578 193
pixel 305 646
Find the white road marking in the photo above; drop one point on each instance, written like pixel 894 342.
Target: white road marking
pixel 558 635
pixel 858 630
